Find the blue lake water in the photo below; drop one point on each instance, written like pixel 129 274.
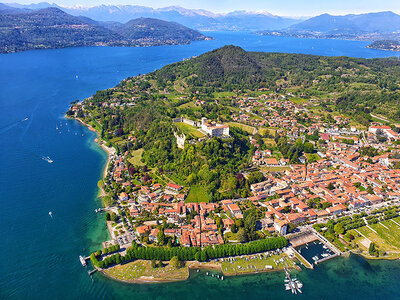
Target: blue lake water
pixel 40 253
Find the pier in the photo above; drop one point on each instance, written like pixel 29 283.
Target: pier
pixel 327 243
pixel 302 238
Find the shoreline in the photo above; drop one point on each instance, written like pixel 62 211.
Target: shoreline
pixel 191 265
pixel 109 151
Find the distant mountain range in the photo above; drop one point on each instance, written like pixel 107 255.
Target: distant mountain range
pixel 53 28
pixel 371 26
pixel 193 18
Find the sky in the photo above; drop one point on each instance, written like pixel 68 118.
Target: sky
pixel 277 7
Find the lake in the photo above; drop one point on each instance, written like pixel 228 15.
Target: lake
pixel 40 252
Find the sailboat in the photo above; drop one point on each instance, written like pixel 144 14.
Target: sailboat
pixel 50 214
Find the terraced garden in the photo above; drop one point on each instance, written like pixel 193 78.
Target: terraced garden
pixel 385 235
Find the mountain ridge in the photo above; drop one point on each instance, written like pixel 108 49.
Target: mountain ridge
pixel 199 19
pixel 54 28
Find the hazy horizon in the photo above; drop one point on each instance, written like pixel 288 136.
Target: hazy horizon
pixel 292 8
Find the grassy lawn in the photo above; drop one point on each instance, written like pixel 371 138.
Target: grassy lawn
pixel 189 130
pixel 244 127
pixel 297 100
pixel 256 264
pixel 312 156
pixel 274 169
pixel 271 131
pixel 116 140
pixel 385 239
pixel 136 157
pixel 188 105
pixel 197 194
pixel 174 179
pixel 224 94
pixel 142 269
pixel 269 142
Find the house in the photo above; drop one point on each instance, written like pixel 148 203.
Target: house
pixel 153 234
pixel 123 196
pixel 280 226
pixel 174 187
pixel 142 230
pixel 335 210
pixel 296 218
pixel 234 209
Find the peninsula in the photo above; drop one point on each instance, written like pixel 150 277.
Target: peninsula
pixel 388 45
pixel 52 28
pixel 232 160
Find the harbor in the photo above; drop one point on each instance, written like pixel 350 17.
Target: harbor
pixel 316 252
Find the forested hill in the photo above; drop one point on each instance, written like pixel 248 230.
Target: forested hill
pixel 158 30
pixel 53 28
pixel 356 85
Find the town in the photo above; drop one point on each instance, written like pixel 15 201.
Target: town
pixel 301 170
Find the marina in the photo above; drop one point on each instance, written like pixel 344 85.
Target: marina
pixel 316 252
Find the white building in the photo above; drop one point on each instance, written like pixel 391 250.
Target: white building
pixel 214 129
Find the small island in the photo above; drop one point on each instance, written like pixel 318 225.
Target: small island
pixel 237 162
pixel 389 45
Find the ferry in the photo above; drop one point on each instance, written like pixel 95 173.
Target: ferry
pixel 83 261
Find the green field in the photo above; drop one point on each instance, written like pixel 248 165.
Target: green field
pixel 244 127
pixel 312 156
pixel 274 169
pixel 387 239
pixel 255 264
pixel 197 194
pixel 224 94
pixel 297 100
pixel 189 130
pixel 136 157
pixel 141 269
pixel 263 131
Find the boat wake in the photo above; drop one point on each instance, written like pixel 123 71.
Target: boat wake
pixel 48 159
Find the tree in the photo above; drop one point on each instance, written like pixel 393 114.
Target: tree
pixel 291 227
pixel 114 217
pixel 197 256
pixel 308 147
pixel 203 256
pixel 242 236
pixel 108 216
pixel 339 228
pixel 175 262
pixel 161 237
pixel 153 263
pixel 326 204
pixel 372 250
pixel 233 228
pixel 331 186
